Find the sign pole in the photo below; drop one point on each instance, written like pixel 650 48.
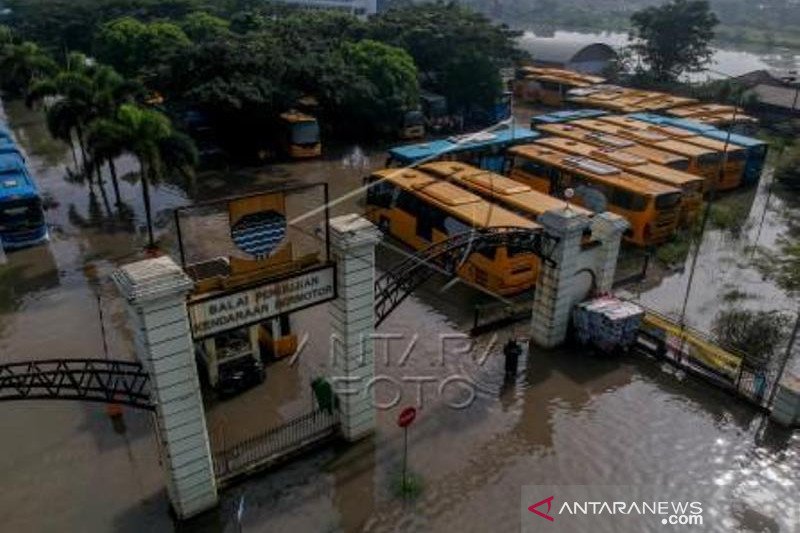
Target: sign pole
pixel 405 419
pixel 405 456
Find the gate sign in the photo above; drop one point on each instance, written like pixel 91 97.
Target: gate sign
pixel 251 306
pixel 406 417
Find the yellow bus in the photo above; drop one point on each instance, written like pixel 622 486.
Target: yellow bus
pixel 651 208
pixel 300 136
pixel 516 196
pixel 420 210
pixel 605 140
pixel 702 161
pixel 624 99
pixel 549 85
pixel 690 185
pixel 734 160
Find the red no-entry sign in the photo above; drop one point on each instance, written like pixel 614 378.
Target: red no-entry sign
pixel 406 417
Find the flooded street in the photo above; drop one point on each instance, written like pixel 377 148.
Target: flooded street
pixel 570 418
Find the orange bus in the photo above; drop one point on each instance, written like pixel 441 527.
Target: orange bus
pixel 651 208
pixel 549 85
pixel 605 140
pixel 516 196
pixel 420 210
pixel 734 160
pixel 625 99
pixel 690 185
pixel 702 161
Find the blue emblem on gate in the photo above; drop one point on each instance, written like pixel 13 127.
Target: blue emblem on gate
pixel 259 234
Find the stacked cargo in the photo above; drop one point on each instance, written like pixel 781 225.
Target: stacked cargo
pixel 607 323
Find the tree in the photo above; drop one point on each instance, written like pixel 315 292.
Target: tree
pixel 201 26
pixel 445 39
pixel 21 66
pixel 149 136
pixel 674 37
pixel 139 48
pixel 471 80
pixel 383 85
pixel 757 334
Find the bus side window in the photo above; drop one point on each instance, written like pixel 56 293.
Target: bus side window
pixel 381 194
pixel 408 202
pixel 425 221
pixel 628 200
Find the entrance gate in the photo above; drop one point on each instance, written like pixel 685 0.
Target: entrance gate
pixel 156 293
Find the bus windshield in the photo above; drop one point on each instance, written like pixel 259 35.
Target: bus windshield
pixel 710 159
pixel 305 133
pixel 665 201
pixel 736 155
pixel 682 164
pixel 21 213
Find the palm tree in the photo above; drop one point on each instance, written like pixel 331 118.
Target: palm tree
pixel 22 65
pixel 148 135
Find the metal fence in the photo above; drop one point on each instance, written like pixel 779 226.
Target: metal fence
pixel 275 445
pixel 750 383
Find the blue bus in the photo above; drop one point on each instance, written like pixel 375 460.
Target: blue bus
pixel 755 149
pixel 568 115
pixel 484 150
pixel 21 215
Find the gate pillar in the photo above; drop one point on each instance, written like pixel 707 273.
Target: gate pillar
pixel 607 228
pixel 352 318
pixel 556 287
pixel 155 291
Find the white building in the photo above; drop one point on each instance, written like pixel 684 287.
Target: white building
pixel 360 8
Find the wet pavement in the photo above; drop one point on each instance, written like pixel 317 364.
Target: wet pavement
pixel 569 418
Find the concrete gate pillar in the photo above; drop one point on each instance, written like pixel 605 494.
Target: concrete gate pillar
pixel 352 316
pixel 786 404
pixel 155 291
pixel 608 229
pixel 555 288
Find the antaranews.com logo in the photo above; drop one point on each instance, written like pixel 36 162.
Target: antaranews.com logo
pixel 596 509
pixel 672 513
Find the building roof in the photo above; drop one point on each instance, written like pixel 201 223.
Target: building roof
pixel 558 51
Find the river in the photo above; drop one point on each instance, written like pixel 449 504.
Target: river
pixel 568 419
pixel 726 61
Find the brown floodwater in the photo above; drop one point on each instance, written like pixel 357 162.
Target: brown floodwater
pixel 569 418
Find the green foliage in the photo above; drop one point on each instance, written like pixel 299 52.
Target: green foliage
pixel 383 85
pixel 783 265
pixel 728 217
pixel 674 37
pixel 787 171
pixel 21 66
pixel 757 334
pixel 471 79
pixel 446 39
pixel 134 47
pixel 201 26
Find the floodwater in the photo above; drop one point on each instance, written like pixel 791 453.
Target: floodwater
pixel 726 61
pixel 569 418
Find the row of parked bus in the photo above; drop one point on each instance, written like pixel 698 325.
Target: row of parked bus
pixel 652 170
pixel 21 214
pixel 556 87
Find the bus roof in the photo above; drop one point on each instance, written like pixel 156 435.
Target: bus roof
pixel 567 116
pixel 563 76
pixel 626 99
pixel 15 182
pixel 681 134
pixel 511 192
pixel 647 137
pixel 571 131
pixel 687 124
pixel 706 130
pixel 294 117
pixel 411 153
pixel 454 200
pixel 598 170
pixel 633 163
